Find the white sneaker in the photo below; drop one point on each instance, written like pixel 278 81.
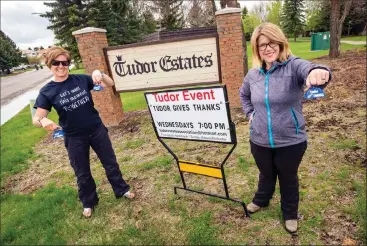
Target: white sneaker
pixel 87 212
pixel 291 225
pixel 252 208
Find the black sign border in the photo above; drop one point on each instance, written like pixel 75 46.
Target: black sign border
pixel 215 35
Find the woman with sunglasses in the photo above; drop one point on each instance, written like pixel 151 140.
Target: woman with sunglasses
pixel 70 96
pixel 271 97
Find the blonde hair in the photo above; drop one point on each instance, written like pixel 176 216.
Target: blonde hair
pixel 275 34
pixel 54 52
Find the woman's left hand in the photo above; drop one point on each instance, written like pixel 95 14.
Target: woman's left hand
pixel 317 77
pixel 97 77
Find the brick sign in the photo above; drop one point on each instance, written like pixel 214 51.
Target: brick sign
pixel 164 64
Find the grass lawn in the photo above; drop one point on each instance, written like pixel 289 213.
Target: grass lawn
pixel 355 38
pixel 49 212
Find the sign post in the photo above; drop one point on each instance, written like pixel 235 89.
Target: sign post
pixel 195 114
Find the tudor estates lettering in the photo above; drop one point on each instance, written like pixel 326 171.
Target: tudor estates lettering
pixel 166 64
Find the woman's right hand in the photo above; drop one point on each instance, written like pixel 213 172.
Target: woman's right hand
pixel 48 124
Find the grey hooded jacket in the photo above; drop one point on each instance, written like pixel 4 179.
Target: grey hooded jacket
pixel 274 99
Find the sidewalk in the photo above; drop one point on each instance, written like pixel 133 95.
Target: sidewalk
pixel 353 42
pixel 9 110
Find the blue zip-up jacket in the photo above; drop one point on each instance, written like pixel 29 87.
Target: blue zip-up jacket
pixel 274 98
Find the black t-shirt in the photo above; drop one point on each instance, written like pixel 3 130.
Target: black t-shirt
pixel 73 102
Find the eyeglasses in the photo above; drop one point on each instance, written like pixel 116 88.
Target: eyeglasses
pixel 264 46
pixel 57 63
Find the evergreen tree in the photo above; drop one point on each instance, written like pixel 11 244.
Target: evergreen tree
pixel 293 18
pixel 99 12
pixel 67 16
pixel 10 55
pixel 171 14
pixel 149 23
pixel 244 12
pixel 124 25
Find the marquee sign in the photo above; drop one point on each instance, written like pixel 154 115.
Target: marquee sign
pixel 200 114
pixel 164 64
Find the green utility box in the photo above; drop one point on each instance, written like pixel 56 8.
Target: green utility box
pixel 320 41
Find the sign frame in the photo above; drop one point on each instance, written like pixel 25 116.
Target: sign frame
pixel 225 93
pixel 198 168
pixel 210 35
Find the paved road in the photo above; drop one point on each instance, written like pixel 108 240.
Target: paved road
pixel 14 86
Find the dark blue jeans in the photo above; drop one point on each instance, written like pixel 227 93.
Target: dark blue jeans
pixel 78 148
pixel 281 163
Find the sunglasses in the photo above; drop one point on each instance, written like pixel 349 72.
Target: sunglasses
pixel 57 63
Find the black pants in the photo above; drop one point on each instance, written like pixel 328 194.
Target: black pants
pixel 78 149
pixel 282 163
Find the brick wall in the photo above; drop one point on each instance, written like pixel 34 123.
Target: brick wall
pixel 229 28
pixel 107 102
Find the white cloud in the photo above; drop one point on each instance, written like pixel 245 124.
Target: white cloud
pixel 23 27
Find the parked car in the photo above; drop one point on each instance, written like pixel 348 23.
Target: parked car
pixel 20 67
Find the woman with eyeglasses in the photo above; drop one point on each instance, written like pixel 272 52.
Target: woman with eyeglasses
pixel 70 96
pixel 271 97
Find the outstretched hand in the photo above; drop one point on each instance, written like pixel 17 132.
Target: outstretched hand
pixel 317 77
pixel 97 77
pixel 49 125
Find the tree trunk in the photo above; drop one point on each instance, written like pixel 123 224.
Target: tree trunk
pixel 336 25
pixel 214 7
pixel 229 4
pixel 245 63
pixel 295 37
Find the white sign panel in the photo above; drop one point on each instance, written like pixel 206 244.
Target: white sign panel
pixel 165 65
pixel 192 114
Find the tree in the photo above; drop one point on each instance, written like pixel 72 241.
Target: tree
pixel 67 16
pixel 356 17
pixel 41 48
pixel 229 4
pixel 98 13
pixel 250 22
pixel 10 55
pixel 149 22
pixel 314 15
pixel 293 18
pixel 209 10
pixel 244 12
pixel 124 25
pixel 49 46
pixel 170 14
pixel 194 14
pixel 261 10
pixel 29 48
pixel 274 10
pixel 336 25
pixel 200 14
